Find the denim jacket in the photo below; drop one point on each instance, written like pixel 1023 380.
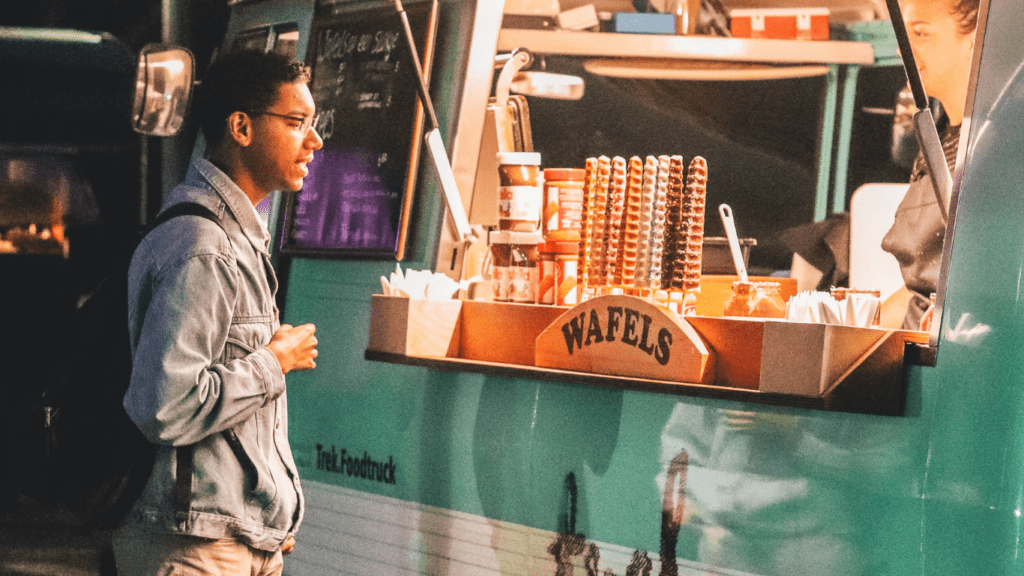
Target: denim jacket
pixel 201 313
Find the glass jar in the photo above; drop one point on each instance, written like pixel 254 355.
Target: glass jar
pixel 520 192
pixel 546 283
pixel 741 301
pixel 768 302
pixel 563 204
pixel 567 259
pixel 516 271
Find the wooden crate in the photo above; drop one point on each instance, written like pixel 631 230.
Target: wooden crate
pixel 767 355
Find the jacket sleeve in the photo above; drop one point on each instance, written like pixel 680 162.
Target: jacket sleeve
pixel 192 376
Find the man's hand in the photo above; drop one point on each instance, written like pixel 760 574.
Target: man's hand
pixel 295 347
pixel 288 546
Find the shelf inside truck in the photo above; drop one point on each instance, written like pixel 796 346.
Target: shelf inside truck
pixel 617 45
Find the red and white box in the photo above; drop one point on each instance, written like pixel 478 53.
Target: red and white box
pixel 780 23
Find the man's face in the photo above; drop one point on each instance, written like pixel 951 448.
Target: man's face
pixel 943 54
pixel 280 149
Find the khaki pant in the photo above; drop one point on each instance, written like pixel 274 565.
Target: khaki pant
pixel 139 552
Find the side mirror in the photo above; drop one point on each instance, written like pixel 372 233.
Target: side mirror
pixel 163 89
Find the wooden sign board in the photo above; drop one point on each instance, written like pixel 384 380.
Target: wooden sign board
pixel 626 336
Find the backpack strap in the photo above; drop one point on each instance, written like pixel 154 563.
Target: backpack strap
pixel 186 209
pixel 184 454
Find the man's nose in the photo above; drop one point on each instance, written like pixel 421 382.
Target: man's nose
pixel 318 142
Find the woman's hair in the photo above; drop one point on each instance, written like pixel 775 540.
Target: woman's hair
pixel 246 81
pixel 966 14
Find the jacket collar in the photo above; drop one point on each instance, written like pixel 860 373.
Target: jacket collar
pixel 203 174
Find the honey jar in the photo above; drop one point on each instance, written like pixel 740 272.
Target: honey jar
pixel 741 301
pixel 768 302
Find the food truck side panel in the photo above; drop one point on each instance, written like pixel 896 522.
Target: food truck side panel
pixel 409 470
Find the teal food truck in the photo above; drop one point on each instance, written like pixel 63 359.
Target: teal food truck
pixel 416 464
pixel 793 455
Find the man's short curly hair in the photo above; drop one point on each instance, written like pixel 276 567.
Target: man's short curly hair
pixel 244 81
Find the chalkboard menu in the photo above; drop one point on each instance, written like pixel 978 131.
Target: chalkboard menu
pixel 357 197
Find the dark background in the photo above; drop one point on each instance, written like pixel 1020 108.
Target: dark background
pixel 66 111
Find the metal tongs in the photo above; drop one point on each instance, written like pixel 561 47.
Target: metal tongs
pixel 734 242
pixel 435 145
pixel 924 123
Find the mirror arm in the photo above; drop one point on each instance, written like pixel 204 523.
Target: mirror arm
pixel 519 59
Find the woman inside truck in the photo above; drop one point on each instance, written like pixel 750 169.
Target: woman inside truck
pixel 942 35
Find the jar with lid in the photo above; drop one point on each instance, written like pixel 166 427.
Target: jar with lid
pixel 741 301
pixel 520 192
pixel 563 204
pixel 565 257
pixel 546 283
pixel 768 302
pixel 516 260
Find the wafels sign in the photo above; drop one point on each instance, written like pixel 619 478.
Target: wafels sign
pixel 626 336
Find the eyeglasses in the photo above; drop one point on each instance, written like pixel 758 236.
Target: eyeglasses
pixel 305 122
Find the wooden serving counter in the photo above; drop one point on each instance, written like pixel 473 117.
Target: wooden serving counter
pixel 628 342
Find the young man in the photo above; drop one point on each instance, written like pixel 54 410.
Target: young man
pixel 210 354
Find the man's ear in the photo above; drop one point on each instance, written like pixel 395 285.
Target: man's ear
pixel 240 128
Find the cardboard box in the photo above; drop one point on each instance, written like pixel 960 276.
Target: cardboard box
pixel 801 358
pixel 780 23
pixel 413 327
pixel 497 332
pixel 642 23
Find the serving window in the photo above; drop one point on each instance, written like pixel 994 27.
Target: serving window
pixel 791 133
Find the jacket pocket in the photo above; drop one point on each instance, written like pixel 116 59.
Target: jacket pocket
pixel 247 335
pixel 260 490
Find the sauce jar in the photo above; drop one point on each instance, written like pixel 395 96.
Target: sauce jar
pixel 546 283
pixel 520 192
pixel 516 271
pixel 741 301
pixel 567 259
pixel 768 302
pixel 559 273
pixel 563 204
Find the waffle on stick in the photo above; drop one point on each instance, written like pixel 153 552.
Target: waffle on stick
pixel 674 259
pixel 598 219
pixel 643 258
pixel 613 225
pixel 658 222
pixel 695 205
pixel 586 239
pixel 632 219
